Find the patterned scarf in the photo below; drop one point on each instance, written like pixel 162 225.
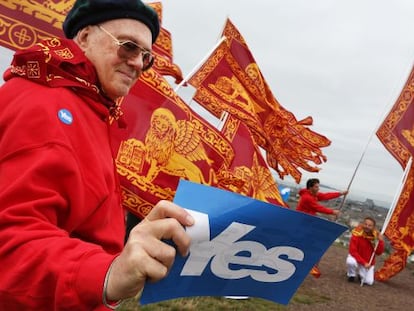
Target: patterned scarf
pixel 61 63
pixel 359 232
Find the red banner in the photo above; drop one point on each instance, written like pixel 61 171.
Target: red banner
pixel 400 231
pixel 397 130
pixel 249 165
pixel 162 49
pixel 165 141
pixel 231 81
pixel 397 135
pixel 24 23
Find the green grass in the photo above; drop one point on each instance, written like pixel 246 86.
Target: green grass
pixel 307 297
pixel 203 303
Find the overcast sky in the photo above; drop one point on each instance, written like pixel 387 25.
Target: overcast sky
pixel 343 62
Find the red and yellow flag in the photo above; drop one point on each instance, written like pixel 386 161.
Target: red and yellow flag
pixel 248 165
pixel 397 135
pixel 24 23
pixel 230 80
pixel 396 132
pixel 163 50
pixel 164 141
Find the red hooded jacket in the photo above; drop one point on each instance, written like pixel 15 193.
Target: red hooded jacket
pixel 61 221
pixel 308 203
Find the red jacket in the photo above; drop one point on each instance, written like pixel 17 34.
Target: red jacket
pixel 61 221
pixel 361 246
pixel 308 203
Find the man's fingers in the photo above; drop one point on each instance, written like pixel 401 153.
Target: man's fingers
pixel 167 209
pixel 164 229
pixel 160 259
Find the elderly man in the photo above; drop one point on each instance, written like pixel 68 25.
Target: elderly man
pixel 61 221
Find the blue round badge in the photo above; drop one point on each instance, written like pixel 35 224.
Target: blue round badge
pixel 65 116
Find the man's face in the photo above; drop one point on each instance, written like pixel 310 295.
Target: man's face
pixel 368 226
pixel 117 74
pixel 314 189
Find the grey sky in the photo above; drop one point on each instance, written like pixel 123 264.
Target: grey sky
pixel 343 62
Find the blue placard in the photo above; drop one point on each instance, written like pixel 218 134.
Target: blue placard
pixel 242 247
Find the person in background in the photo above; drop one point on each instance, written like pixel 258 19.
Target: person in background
pixel 309 204
pixel 310 197
pixel 362 251
pixel 61 222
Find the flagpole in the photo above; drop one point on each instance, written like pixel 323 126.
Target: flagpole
pixel 392 208
pixel 356 169
pixel 197 67
pixel 397 194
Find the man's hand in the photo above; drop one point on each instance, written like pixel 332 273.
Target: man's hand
pixel 335 214
pixel 145 255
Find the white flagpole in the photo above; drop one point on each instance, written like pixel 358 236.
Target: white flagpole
pixel 392 208
pixel 199 64
pixel 356 169
pixel 222 120
pixel 397 194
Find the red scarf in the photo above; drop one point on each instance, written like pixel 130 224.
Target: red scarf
pixel 359 232
pixel 61 63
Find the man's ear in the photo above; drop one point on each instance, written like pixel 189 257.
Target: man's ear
pixel 82 38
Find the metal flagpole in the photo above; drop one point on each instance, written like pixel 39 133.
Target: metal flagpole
pixel 392 208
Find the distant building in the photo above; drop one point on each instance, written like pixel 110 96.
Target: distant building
pixel 369 203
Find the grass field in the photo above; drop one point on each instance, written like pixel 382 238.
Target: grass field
pixel 204 303
pixel 220 303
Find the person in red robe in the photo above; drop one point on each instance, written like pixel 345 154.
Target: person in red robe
pixel 365 243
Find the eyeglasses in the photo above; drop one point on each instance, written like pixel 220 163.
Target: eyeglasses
pixel 128 49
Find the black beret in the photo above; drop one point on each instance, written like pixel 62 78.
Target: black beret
pixel 93 12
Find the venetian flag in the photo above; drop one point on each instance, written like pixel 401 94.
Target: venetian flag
pixel 165 141
pixel 249 165
pixel 230 81
pixel 397 135
pixel 25 23
pixel 163 50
